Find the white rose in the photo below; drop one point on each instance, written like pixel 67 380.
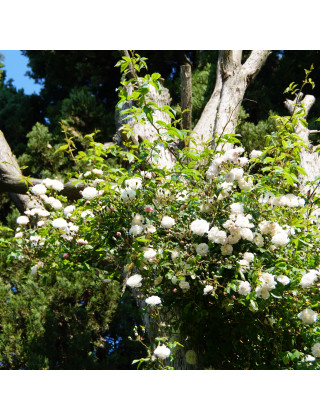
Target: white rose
pixel 22 220
pixel 308 316
pixel 283 280
pixel 39 189
pixel 167 222
pixel 89 193
pixel 153 300
pixel 199 227
pixel 315 349
pixel 150 255
pixel 162 352
pixel 207 290
pixel 60 223
pixel 202 249
pixel 244 288
pixel 135 280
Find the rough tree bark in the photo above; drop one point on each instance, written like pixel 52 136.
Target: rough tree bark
pixel 310 160
pixel 221 112
pixel 186 95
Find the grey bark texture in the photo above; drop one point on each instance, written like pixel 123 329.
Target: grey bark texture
pixel 9 168
pixel 186 96
pixel 310 160
pixel 11 181
pixel 143 131
pixel 221 112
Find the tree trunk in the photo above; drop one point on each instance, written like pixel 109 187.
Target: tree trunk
pixel 220 115
pixel 9 167
pixel 186 96
pixel 310 160
pixel 147 130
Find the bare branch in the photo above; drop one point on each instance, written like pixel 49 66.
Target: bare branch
pixel 15 184
pixel 254 62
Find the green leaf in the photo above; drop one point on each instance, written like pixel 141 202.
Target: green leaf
pixel 61 148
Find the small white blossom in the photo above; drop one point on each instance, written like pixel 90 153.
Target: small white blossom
pixel 248 256
pixel 255 154
pixel 280 239
pixel 138 219
pixel 150 254
pixel 68 210
pixel 134 183
pixel 308 316
pixel 212 172
pixel 57 185
pixel 233 239
pixel 149 228
pixel 162 352
pixel 184 285
pixel 202 249
pixel 97 171
pixel 226 249
pixel 43 213
pixel 89 193
pixel 246 234
pixel 34 270
pixel 153 300
pixel 60 223
pixel 262 291
pixel 56 204
pixel 199 227
pixel 258 240
pixel 237 173
pixel 207 290
pixel 128 194
pixel 243 161
pixel 236 208
pixel 244 288
pixel 135 280
pixel 283 279
pixel 22 220
pixel 217 236
pixel 167 222
pixel 315 349
pixel 175 255
pixel 308 279
pixel 87 213
pixel 39 189
pixel 245 185
pixel 135 230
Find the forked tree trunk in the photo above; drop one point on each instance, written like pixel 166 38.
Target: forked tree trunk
pixel 220 115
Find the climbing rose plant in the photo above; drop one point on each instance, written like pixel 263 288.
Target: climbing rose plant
pixel 221 251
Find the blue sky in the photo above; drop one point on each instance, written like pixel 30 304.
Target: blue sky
pixel 15 65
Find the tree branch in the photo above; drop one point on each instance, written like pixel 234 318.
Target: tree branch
pixel 254 62
pixel 16 185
